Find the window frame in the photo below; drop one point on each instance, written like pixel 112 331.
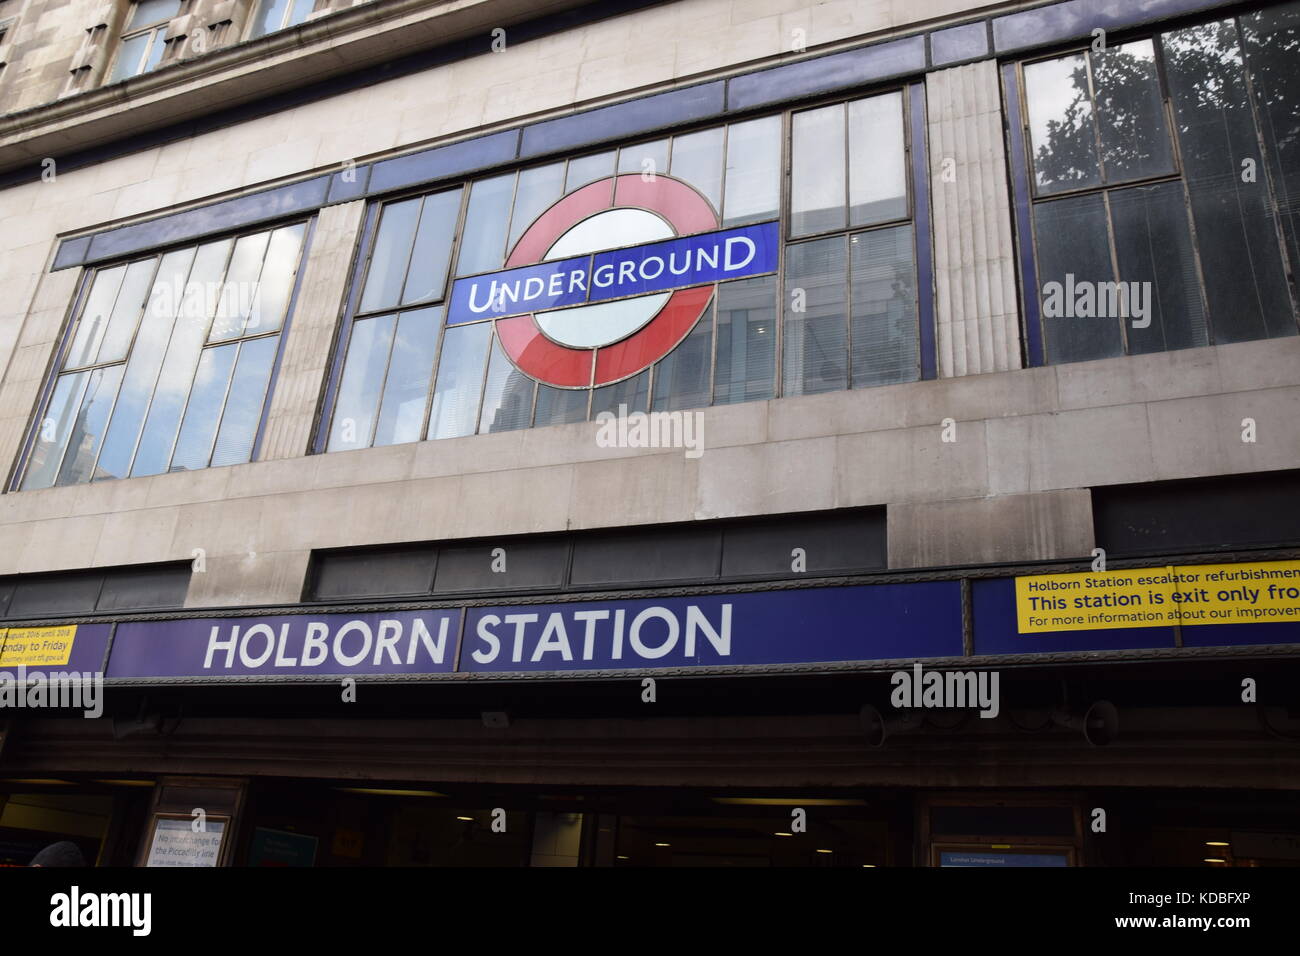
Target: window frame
pixel 257 7
pixel 1026 191
pixel 150 30
pixel 911 91
pixel 72 320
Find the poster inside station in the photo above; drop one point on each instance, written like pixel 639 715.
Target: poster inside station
pixel 1250 593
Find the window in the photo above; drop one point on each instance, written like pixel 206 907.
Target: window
pixel 1158 222
pixel 275 15
pixel 834 543
pixel 138 588
pixel 144 38
pixel 168 363
pixel 408 369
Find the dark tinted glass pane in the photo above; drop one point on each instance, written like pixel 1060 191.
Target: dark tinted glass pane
pixel 558 406
pixel 6 593
pixel 534 564
pixel 883 292
pixel 745 368
pixel 672 555
pixel 1062 136
pixel 1272 40
pixel 1073 258
pixel 1214 514
pixel 849 542
pixel 1003 821
pixel 147 588
pixel 1157 268
pixel 373 574
pixel 59 594
pixel 682 378
pixel 816 307
pixel 634 393
pixel 1130 114
pixel 1240 256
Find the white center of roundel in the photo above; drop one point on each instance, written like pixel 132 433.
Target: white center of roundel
pixel 589 326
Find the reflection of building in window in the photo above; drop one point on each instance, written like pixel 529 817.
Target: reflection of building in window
pixel 169 362
pixel 1143 174
pixel 143 38
pixel 275 15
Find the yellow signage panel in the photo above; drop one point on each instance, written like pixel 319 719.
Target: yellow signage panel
pixel 1266 591
pixel 36 646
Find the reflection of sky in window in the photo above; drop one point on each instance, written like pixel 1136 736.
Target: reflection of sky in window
pixel 1050 91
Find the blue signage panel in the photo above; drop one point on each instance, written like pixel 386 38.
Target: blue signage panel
pixel 679 263
pixel 687 261
pixel 993 602
pixel 975 858
pixel 817 625
pixel 546 285
pixel 383 642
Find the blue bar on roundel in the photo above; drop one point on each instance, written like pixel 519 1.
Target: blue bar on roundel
pixel 535 288
pixel 688 261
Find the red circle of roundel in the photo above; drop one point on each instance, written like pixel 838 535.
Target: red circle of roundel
pixel 555 364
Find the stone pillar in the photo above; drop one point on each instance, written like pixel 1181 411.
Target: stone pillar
pixel 311 332
pixel 977 316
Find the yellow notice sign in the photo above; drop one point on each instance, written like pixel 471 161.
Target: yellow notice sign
pixel 1268 591
pixel 36 646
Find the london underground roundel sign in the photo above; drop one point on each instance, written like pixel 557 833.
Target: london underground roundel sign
pixel 610 279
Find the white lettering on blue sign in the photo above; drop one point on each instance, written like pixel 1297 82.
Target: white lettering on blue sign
pixel 653 633
pixel 680 263
pixel 353 643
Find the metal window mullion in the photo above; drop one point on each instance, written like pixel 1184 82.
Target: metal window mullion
pixel 1114 264
pixel 225 397
pixel 198 363
pixel 383 381
pixel 786 199
pixel 453 262
pixel 848 219
pixel 1270 186
pixel 63 452
pixel 153 391
pixel 1102 172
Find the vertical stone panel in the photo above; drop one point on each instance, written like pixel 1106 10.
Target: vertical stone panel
pixel 311 326
pixel 977 315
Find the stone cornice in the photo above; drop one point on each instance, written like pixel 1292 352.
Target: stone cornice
pixel 342 42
